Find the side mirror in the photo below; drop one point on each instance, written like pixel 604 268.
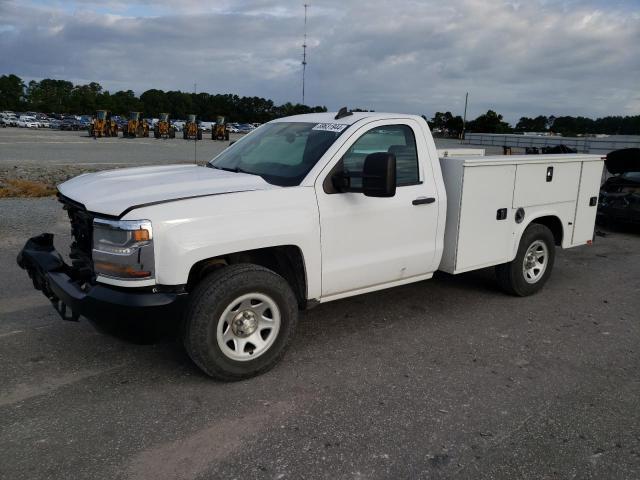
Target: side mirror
pixel 379 175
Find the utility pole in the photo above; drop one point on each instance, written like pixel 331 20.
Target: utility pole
pixel 464 118
pixel 304 50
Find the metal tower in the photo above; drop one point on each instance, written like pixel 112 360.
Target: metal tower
pixel 304 50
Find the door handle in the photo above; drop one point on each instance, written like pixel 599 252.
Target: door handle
pixel 423 200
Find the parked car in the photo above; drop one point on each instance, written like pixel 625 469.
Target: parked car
pixel 70 124
pixel 206 126
pixel 26 121
pixel 55 123
pixel 315 208
pixel 245 128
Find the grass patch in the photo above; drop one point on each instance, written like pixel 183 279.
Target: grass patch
pixel 25 188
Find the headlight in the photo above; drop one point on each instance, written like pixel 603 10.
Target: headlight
pixel 123 248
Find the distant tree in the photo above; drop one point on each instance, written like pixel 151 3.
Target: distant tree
pixel 154 102
pixel 538 124
pixel 124 102
pixel 11 92
pixel 49 95
pixel 490 122
pixel 446 123
pixel 571 126
pixel 180 104
pixel 61 96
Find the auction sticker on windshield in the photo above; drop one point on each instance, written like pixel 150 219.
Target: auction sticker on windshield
pixel 330 127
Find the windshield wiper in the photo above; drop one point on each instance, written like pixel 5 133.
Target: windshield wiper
pixel 226 169
pixel 234 170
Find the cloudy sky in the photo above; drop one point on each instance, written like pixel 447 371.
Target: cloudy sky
pixel 529 57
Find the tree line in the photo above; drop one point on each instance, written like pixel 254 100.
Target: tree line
pixel 62 96
pixel 492 122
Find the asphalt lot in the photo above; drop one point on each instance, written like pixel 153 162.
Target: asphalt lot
pixel 447 378
pixel 54 148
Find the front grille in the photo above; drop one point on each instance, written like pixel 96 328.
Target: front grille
pixel 82 233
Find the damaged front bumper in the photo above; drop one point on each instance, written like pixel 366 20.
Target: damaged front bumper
pixel 73 297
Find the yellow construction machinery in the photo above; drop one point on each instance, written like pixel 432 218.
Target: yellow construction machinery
pixel 102 125
pixel 191 129
pixel 135 127
pixel 219 131
pixel 163 128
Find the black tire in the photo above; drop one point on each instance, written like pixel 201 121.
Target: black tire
pixel 511 276
pixel 209 300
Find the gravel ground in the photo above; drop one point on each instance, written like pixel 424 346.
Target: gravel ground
pixel 447 378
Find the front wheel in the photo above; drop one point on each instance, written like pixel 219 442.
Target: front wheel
pixel 532 267
pixel 239 321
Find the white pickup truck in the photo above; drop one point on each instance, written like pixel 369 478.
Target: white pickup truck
pixel 305 210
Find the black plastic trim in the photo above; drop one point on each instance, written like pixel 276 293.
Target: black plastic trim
pixel 423 201
pixel 94 301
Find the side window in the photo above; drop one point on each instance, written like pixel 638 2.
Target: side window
pixel 396 139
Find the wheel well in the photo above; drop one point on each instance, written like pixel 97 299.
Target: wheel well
pixel 554 224
pixel 286 260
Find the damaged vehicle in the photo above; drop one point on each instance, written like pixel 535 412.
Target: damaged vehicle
pixel 305 210
pixel 620 194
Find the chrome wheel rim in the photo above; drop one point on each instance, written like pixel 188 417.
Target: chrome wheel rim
pixel 535 261
pixel 248 327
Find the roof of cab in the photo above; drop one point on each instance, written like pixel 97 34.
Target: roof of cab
pixel 329 117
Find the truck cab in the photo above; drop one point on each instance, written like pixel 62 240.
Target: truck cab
pixel 303 210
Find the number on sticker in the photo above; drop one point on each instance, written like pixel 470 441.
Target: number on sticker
pixel 330 127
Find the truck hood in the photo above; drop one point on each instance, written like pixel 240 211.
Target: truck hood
pixel 113 192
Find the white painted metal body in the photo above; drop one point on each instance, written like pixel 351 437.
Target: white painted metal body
pixel 477 187
pixel 350 243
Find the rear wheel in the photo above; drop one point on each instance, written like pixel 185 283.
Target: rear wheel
pixel 533 264
pixel 239 321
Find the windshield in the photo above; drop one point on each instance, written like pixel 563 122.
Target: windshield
pixel 282 153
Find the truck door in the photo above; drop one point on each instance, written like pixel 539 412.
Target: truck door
pixel 366 241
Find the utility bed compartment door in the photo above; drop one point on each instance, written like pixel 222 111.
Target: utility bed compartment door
pixel 483 238
pixel 545 183
pixel 587 202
